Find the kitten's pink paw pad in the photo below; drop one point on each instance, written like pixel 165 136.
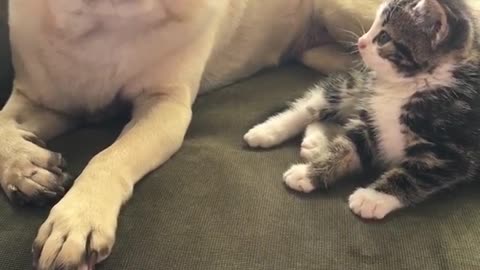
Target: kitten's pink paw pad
pixel 371 204
pixel 296 178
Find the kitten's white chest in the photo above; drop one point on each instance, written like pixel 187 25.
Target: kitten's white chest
pixel 386 108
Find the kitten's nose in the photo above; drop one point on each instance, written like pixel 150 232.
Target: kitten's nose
pixel 362 44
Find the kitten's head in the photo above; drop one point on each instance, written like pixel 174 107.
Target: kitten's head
pixel 413 37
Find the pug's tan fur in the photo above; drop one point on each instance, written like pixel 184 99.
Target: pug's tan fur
pixel 75 59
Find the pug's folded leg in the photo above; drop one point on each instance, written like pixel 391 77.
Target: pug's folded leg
pixel 30 173
pixel 328 58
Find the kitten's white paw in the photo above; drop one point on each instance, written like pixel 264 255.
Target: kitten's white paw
pixel 263 136
pixel 313 145
pixel 371 204
pixel 297 178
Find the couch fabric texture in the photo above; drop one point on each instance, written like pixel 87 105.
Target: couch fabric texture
pixel 219 205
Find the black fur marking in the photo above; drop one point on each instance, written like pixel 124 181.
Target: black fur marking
pixel 406 53
pixel 360 137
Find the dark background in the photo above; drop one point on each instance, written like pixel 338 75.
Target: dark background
pixel 5 67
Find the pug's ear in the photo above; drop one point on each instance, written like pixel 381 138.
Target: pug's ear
pixel 432 16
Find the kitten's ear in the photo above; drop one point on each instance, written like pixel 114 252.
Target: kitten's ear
pixel 433 17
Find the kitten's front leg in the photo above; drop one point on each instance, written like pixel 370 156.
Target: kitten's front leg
pixel 287 124
pixel 330 98
pixel 426 170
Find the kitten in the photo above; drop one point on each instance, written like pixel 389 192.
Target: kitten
pixel 415 112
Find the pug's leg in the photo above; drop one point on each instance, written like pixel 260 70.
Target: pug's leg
pixel 29 173
pixel 80 230
pixel 328 59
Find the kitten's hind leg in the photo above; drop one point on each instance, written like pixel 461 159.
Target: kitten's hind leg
pixel 287 124
pixel 325 169
pixel 345 154
pixel 316 139
pixel 314 142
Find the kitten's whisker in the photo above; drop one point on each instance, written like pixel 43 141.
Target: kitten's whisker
pixel 353 34
pixel 348 43
pixel 351 47
pixel 361 25
pixel 350 53
pixel 353 50
pixel 360 65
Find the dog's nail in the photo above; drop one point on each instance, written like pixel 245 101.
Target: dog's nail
pixel 12 188
pixel 36 256
pixel 92 260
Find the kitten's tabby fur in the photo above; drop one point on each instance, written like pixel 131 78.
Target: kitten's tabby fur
pixel 416 113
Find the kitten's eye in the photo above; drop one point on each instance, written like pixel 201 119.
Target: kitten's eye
pixel 383 38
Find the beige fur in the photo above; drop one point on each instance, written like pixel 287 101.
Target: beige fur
pixel 78 57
